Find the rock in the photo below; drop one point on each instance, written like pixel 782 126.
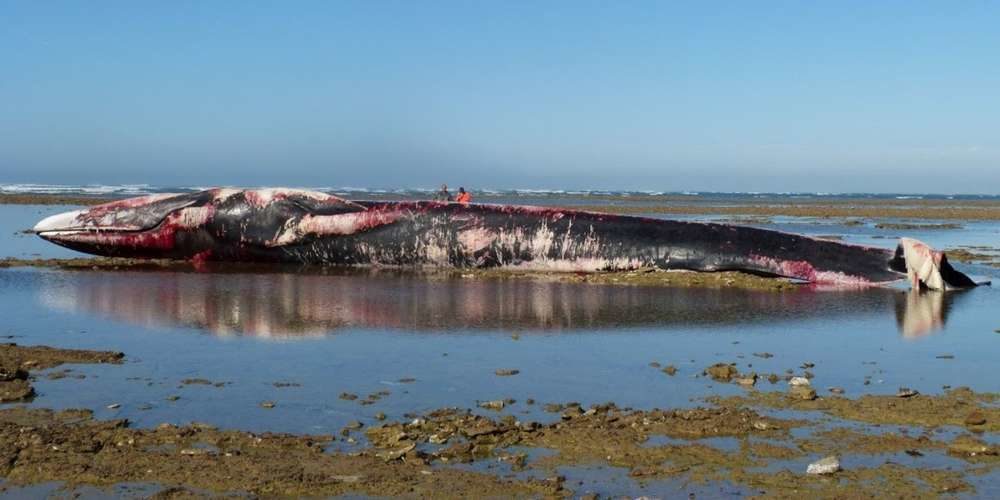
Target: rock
pixel 837 390
pixel 347 396
pixel 380 416
pixel 571 412
pixel 173 398
pixel 970 446
pixel 799 381
pixel 828 465
pixel 267 404
pixel 354 425
pixel 10 369
pixel 196 381
pixel 721 372
pixel 15 390
pixel 773 378
pixel 407 380
pixel 670 370
pixel 495 405
pixel 346 478
pixel 654 364
pixel 945 356
pixel 764 355
pixel 507 372
pixel 802 392
pixel 747 381
pixel 114 406
pixel 905 392
pixel 975 418
pixel 386 436
pixel 396 453
pixel 806 366
pixel 553 407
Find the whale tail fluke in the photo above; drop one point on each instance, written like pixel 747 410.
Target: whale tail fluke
pixel 926 267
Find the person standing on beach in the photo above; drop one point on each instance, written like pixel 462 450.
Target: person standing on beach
pixel 463 196
pixel 443 194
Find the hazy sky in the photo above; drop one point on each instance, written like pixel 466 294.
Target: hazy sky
pixel 742 95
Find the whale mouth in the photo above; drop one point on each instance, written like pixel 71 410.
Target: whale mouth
pixel 131 215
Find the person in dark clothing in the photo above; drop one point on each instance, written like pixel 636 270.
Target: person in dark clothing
pixel 443 194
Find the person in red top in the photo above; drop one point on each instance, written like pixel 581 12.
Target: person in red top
pixel 463 196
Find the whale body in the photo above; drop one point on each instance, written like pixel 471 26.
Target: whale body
pixel 297 226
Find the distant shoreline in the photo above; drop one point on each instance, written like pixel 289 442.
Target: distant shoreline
pixel 882 208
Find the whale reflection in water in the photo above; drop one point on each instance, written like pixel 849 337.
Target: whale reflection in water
pixel 923 312
pixel 297 304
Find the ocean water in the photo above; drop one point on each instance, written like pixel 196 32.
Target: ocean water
pixel 121 190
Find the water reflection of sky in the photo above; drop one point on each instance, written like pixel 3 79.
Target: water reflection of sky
pixel 577 342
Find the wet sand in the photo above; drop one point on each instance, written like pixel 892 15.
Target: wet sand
pixel 642 277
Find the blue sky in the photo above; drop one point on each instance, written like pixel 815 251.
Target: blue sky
pixel 759 96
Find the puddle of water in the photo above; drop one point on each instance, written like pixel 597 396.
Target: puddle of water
pixel 614 482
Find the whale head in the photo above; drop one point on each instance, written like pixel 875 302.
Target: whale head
pixel 183 226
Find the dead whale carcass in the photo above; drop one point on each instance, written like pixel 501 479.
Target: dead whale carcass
pixel 289 225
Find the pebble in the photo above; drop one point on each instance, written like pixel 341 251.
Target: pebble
pixel 173 398
pixel 827 465
pixel 506 372
pixel 670 370
pixel 654 364
pixel 802 392
pixel 945 356
pixel 747 381
pixel 267 404
pixel 837 390
pixel 721 371
pixel 975 418
pixel 380 416
pixel 799 381
pixel 496 404
pixel 905 392
pixel 114 406
pixel 347 396
pixel 764 355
